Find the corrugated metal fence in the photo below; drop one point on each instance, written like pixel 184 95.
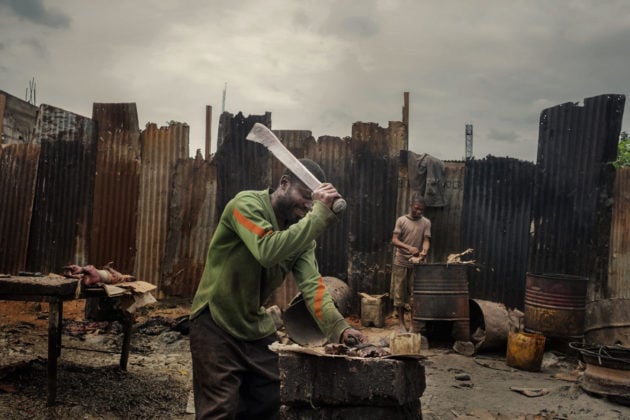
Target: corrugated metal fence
pixel 107 191
pixel 116 186
pixel 573 194
pixel 63 194
pixel 495 223
pixel 18 176
pixel 161 149
pixel 618 285
pixel 192 219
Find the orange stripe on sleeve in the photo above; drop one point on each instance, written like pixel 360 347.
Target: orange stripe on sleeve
pixel 319 297
pixel 248 224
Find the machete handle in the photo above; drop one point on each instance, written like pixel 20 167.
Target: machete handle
pixel 339 205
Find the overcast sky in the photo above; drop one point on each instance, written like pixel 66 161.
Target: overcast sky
pixel 321 65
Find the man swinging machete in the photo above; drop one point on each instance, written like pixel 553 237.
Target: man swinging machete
pixel 260 238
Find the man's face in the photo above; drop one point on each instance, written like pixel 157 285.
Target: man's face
pixel 296 202
pixel 416 210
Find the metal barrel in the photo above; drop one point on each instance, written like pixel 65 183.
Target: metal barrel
pixel 607 322
pixel 440 292
pixel 491 321
pixel 607 371
pixel 554 305
pixel 298 321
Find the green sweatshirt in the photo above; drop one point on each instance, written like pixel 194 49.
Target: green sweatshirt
pixel 249 257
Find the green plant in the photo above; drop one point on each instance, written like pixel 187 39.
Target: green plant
pixel 623 154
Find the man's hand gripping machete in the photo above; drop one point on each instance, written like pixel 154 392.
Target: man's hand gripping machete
pixel 261 134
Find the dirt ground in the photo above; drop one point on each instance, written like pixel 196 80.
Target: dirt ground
pixel 157 383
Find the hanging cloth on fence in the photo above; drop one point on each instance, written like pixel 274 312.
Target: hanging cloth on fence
pixel 426 178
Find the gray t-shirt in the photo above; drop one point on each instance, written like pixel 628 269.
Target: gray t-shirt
pixel 411 232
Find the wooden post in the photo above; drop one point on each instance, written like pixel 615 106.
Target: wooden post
pixel 405 116
pixel 208 131
pixel 54 346
pixel 128 321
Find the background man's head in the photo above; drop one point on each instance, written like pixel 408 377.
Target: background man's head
pixel 416 207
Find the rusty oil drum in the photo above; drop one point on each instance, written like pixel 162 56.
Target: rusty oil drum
pixel 607 322
pixel 298 321
pixel 440 292
pixel 555 305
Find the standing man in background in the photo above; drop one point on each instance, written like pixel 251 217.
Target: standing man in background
pixel 260 238
pixel 412 238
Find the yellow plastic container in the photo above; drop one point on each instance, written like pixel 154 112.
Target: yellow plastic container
pixel 372 310
pixel 405 343
pixel 525 350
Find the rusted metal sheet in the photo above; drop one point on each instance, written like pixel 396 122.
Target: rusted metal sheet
pixel 446 221
pixel 161 148
pixel 18 175
pixel 384 141
pixel 333 154
pixel 618 284
pixel 495 214
pixel 241 164
pixel 372 187
pixel 573 188
pixel 116 188
pixel 63 196
pixel 192 219
pixel 403 194
pixel 495 223
pixel 17 120
pixel 3 108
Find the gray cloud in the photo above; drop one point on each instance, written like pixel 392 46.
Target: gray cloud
pixel 348 21
pixel 507 136
pixel 321 65
pixel 34 11
pixel 360 26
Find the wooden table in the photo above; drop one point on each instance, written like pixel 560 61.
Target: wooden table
pixel 55 291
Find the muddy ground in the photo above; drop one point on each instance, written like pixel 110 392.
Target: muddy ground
pixel 157 384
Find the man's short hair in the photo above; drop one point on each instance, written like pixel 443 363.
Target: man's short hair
pixel 312 166
pixel 417 199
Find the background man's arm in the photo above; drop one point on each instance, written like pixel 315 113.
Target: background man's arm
pixel 426 244
pixel 400 244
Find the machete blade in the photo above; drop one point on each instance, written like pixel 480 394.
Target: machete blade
pixel 263 135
